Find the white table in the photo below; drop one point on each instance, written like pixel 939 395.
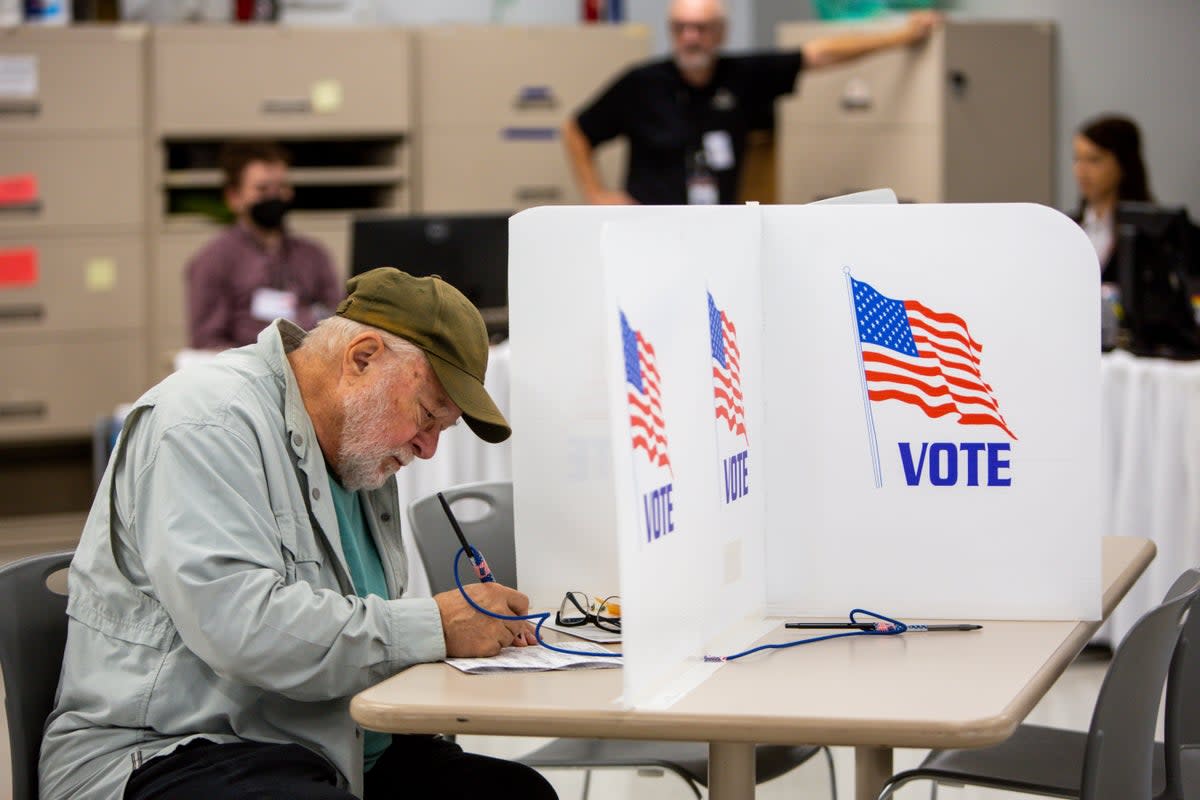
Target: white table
pixel 1150 486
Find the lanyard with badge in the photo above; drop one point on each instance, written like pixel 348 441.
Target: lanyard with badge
pixel 715 154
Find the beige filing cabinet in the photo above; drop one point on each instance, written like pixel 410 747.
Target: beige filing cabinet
pixel 339 99
pixel 490 101
pixel 966 117
pixel 72 247
pixel 72 266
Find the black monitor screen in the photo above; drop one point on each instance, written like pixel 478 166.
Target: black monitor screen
pixel 470 252
pixel 1157 252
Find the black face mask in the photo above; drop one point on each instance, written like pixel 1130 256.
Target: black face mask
pixel 268 214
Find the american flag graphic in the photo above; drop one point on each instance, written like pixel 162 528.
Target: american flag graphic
pixel 923 357
pixel 727 379
pixel 645 403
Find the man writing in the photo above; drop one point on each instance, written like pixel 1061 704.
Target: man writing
pixel 256 270
pixel 237 578
pixel 686 118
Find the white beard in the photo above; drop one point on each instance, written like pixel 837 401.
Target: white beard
pixel 364 463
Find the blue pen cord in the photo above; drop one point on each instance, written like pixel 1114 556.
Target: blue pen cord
pixel 541 616
pixel 885 627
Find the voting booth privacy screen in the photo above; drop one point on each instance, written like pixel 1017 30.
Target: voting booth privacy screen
pixel 730 413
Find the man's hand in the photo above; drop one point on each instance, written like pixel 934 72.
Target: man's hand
pixel 470 634
pixel 920 24
pixel 610 197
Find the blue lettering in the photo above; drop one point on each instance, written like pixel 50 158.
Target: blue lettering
pixel 912 476
pixel 943 458
pixel 658 510
pixel 995 464
pixel 735 471
pixel 943 471
pixel 972 449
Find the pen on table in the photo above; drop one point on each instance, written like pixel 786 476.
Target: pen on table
pixel 870 626
pixel 476 557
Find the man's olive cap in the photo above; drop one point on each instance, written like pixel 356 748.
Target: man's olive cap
pixel 437 318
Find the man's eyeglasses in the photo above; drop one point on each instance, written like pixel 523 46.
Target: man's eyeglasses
pixel 578 609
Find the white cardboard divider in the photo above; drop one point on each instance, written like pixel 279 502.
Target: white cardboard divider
pixel 869 500
pixel 561 448
pixel 685 393
pixel 996 526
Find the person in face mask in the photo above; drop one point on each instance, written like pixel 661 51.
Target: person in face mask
pixel 257 270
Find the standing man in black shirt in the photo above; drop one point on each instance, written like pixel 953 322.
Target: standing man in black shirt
pixel 686 117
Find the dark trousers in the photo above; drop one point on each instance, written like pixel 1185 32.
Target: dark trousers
pixel 414 767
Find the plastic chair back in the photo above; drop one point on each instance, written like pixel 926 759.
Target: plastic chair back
pixel 33 635
pixel 1181 721
pixel 485 513
pixel 1119 759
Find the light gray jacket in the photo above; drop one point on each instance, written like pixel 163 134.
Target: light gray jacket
pixel 227 612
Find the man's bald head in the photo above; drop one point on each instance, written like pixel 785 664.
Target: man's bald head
pixel 697 32
pixel 705 9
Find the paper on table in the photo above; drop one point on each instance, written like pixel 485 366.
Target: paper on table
pixel 536 659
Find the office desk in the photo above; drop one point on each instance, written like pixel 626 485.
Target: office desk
pixel 872 693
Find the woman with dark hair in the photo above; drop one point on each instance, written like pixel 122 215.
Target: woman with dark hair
pixel 1109 170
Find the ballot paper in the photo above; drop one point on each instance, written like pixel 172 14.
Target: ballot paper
pixel 538 659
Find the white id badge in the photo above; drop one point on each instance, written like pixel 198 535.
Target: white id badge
pixel 703 191
pixel 718 150
pixel 269 304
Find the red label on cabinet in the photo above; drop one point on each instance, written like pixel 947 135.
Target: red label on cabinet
pixel 17 189
pixel 18 267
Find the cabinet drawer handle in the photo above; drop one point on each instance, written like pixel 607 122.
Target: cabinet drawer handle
pixel 25 312
pixel 534 193
pixel 29 108
pixel 29 408
pixel 852 103
pixel 286 105
pixel 529 97
pixel 28 206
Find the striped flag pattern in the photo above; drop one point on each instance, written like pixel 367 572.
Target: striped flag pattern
pixel 727 379
pixel 645 401
pixel 923 357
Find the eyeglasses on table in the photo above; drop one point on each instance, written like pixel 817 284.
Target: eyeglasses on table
pixel 579 609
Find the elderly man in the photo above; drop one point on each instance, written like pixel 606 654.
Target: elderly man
pixel 686 118
pixel 238 577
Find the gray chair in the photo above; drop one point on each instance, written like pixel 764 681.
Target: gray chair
pixel 1117 758
pixel 33 634
pixel 1179 758
pixel 491 530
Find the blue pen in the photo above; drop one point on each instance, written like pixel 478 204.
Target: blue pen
pixel 476 557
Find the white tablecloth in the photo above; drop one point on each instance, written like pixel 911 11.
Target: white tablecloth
pixel 1150 451
pixel 461 457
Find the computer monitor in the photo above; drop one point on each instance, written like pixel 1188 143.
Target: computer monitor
pixel 469 251
pixel 1157 253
